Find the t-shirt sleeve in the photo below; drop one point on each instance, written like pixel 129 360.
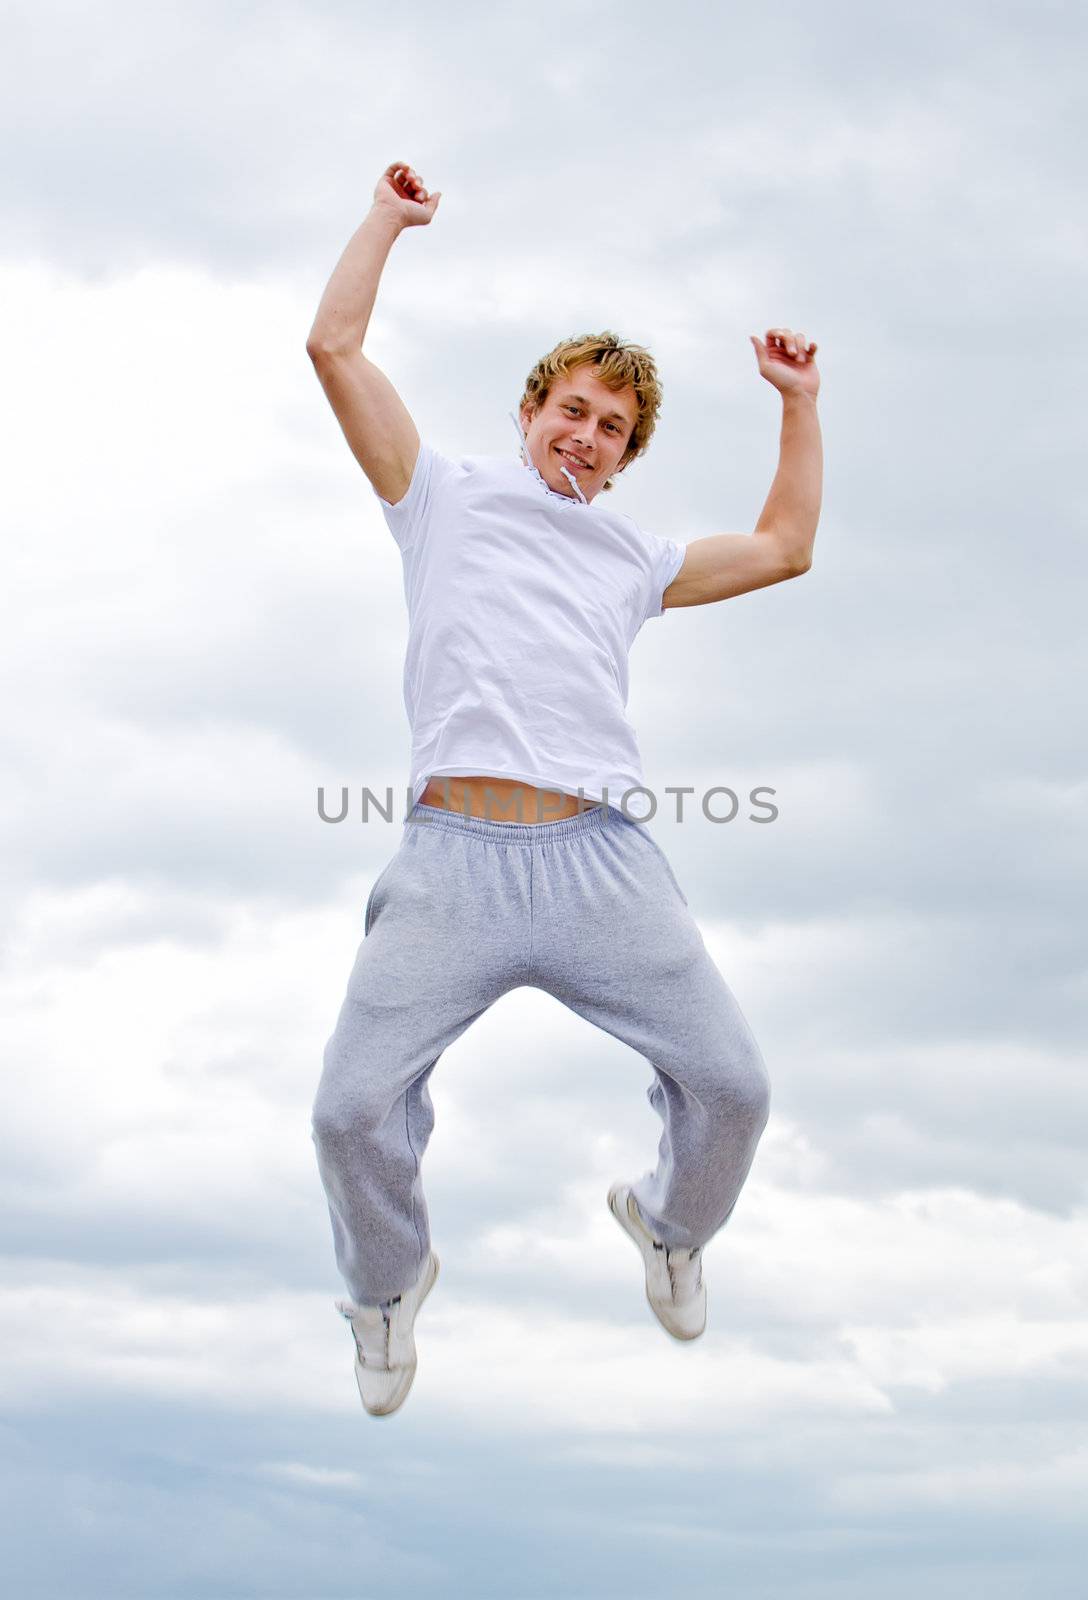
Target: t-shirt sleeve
pixel 666 558
pixel 406 519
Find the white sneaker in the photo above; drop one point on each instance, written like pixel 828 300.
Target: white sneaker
pixel 385 1346
pixel 674 1277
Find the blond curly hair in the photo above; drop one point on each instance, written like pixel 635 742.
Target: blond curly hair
pixel 619 365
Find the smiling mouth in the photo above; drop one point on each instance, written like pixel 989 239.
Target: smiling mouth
pixel 572 461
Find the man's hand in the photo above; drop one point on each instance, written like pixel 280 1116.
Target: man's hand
pixel 786 360
pixel 400 191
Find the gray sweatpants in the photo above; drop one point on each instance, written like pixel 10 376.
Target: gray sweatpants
pixel 585 908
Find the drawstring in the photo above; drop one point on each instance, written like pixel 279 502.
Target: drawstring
pixel 572 480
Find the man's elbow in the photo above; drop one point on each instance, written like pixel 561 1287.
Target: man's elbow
pixel 316 349
pixel 792 552
pixel 325 347
pixel 793 559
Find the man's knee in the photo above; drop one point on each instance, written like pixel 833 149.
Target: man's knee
pixel 348 1108
pixel 742 1086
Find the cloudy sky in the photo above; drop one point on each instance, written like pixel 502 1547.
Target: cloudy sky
pixel 204 622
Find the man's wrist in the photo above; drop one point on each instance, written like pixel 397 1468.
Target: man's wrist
pixel 797 397
pixel 383 220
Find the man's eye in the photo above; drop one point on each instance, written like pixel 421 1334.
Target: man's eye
pixel 575 408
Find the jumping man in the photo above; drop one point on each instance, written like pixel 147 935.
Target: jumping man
pixel 525 592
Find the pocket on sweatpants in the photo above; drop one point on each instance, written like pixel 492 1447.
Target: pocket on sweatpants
pixel 665 862
pixel 368 914
pixel 675 885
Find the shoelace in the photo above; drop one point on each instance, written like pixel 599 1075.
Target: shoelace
pixel 371 1337
pixel 685 1272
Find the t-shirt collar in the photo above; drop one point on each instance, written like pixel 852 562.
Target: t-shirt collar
pixel 575 485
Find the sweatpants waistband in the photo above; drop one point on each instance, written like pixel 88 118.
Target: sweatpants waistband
pixel 522 833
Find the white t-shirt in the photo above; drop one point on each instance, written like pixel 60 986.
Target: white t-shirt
pixel 522 606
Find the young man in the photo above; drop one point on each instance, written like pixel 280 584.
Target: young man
pixel 525 594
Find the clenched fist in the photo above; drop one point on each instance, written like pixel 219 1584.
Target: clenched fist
pixel 788 361
pixel 400 190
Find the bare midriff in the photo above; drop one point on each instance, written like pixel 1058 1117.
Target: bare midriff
pixel 503 800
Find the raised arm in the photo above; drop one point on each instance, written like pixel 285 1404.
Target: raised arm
pixel 729 564
pixel 374 419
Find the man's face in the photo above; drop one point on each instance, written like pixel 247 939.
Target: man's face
pixel 585 419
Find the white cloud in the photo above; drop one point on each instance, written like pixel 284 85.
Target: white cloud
pixel 478 1360
pixel 1046 1485
pixel 319 1477
pixel 924 1291
pixel 204 620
